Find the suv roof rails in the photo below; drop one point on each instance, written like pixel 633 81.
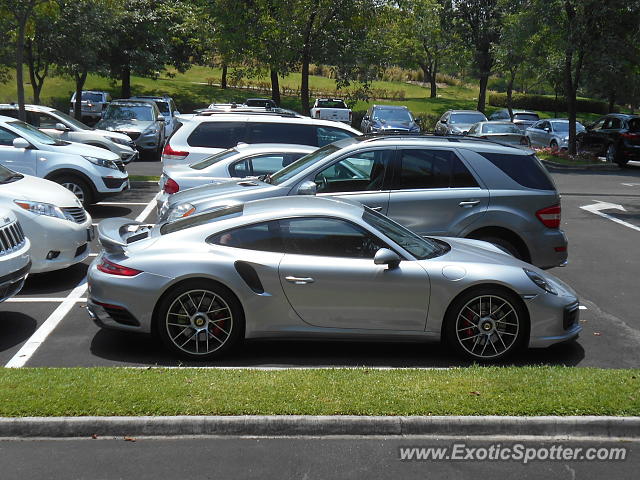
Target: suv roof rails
pixel 248 111
pixel 372 137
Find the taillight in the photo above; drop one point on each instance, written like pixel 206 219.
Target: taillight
pixel 170 154
pixel 550 216
pixel 171 186
pixel 111 268
pixel 630 135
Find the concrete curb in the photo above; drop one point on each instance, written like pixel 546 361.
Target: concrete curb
pixel 606 167
pixel 300 425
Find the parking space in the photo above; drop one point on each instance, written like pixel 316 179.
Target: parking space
pixel 603 267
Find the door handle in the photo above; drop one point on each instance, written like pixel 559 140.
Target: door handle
pixel 377 209
pixel 469 203
pixel 299 280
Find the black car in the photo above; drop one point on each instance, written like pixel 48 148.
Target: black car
pixel 388 119
pixel 615 136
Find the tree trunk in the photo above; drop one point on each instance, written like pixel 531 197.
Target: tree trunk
pixel 77 108
pixel 304 84
pixel 22 114
pixel 223 80
pixel 482 98
pixel 125 76
pixel 275 87
pixel 512 77
pixel 570 92
pixel 612 100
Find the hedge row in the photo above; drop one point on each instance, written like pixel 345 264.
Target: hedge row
pixel 547 103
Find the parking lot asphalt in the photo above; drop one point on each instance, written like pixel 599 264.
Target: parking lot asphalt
pixel 47 323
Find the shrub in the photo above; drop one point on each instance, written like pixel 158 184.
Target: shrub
pixel 547 103
pixel 427 121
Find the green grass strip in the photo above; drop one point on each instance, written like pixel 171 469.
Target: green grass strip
pixel 144 178
pixel 461 391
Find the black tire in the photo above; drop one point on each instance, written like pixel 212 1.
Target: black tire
pixel 504 245
pixel 611 153
pixel 78 186
pixel 479 334
pixel 181 309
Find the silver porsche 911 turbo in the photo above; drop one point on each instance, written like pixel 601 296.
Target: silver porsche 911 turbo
pixel 319 267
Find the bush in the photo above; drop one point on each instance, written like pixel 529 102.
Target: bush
pixel 356 118
pixel 427 121
pixel 547 103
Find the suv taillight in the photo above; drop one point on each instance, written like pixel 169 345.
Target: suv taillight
pixel 550 216
pixel 171 186
pixel 630 135
pixel 169 153
pixel 111 268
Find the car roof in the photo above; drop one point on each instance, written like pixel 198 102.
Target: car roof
pixel 269 117
pixel 392 107
pixel 248 147
pixel 625 116
pixel 465 111
pixel 40 108
pixel 124 101
pixel 498 122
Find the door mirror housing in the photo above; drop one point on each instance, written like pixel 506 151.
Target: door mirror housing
pixel 384 256
pixel 62 127
pixel 161 118
pixel 21 143
pixel 366 117
pixel 307 188
pixel 443 120
pixel 547 129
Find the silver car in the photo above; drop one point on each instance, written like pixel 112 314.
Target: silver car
pixel 468 188
pixel 551 133
pixel 243 160
pixel 458 122
pixel 317 267
pixel 499 131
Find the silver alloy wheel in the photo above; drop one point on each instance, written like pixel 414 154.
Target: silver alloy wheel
pixel 199 322
pixel 487 326
pixel 611 153
pixel 75 189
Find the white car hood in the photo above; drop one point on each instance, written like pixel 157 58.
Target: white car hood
pixel 36 189
pixel 74 148
pixel 108 133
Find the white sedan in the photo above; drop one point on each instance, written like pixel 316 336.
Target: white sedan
pixel 51 217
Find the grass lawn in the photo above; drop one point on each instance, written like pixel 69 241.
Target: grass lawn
pixel 461 391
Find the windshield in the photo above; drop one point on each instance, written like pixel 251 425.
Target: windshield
pixel 500 128
pixel 392 114
pixel 129 112
pixel 301 164
pixel 467 118
pixel 7 175
pixel 563 127
pixel 33 134
pixel 207 162
pixel 417 246
pixel 70 120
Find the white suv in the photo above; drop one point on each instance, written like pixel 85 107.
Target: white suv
pixel 93 104
pixel 64 127
pixel 14 255
pixel 214 131
pixel 91 173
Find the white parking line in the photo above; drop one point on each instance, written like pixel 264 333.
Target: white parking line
pixel 582 307
pixel 41 334
pixel 42 300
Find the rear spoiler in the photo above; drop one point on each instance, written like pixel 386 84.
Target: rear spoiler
pixel 114 234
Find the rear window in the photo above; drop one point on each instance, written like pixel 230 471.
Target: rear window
pixel 217 135
pixel 92 97
pixel 523 169
pixel 331 104
pixel 531 117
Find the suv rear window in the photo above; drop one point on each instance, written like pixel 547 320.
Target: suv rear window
pixel 523 169
pixel 530 117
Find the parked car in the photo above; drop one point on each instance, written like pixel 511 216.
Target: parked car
pixel 319 268
pixel 470 188
pixel 168 110
pixel 260 102
pixel 241 161
pixel 211 132
pixel 52 218
pixel 522 118
pixel 93 104
pixel 91 173
pixel 505 132
pixel 388 119
pixel 141 120
pixel 331 109
pixel 615 136
pixel 14 254
pixel 458 122
pixel 64 127
pixel 552 133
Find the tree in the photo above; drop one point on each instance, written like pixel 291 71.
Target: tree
pixel 41 45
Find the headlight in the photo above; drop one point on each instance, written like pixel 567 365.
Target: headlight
pixel 181 211
pixel 540 281
pixel 119 141
pixel 46 209
pixel 101 162
pixel 150 131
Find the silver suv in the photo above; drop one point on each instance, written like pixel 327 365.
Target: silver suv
pixel 447 186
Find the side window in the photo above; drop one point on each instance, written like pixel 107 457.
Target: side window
pixel 240 169
pixel 281 133
pixel 260 236
pixel 544 125
pixel 614 124
pixel 43 120
pixel 432 169
pixel 265 164
pixel 217 134
pixel 361 172
pixel 6 137
pixel 327 135
pixel 328 237
pixel 599 124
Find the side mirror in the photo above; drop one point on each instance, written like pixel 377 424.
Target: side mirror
pixel 161 118
pixel 21 143
pixel 547 129
pixel 366 117
pixel 443 120
pixel 307 188
pixel 62 127
pixel 384 256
